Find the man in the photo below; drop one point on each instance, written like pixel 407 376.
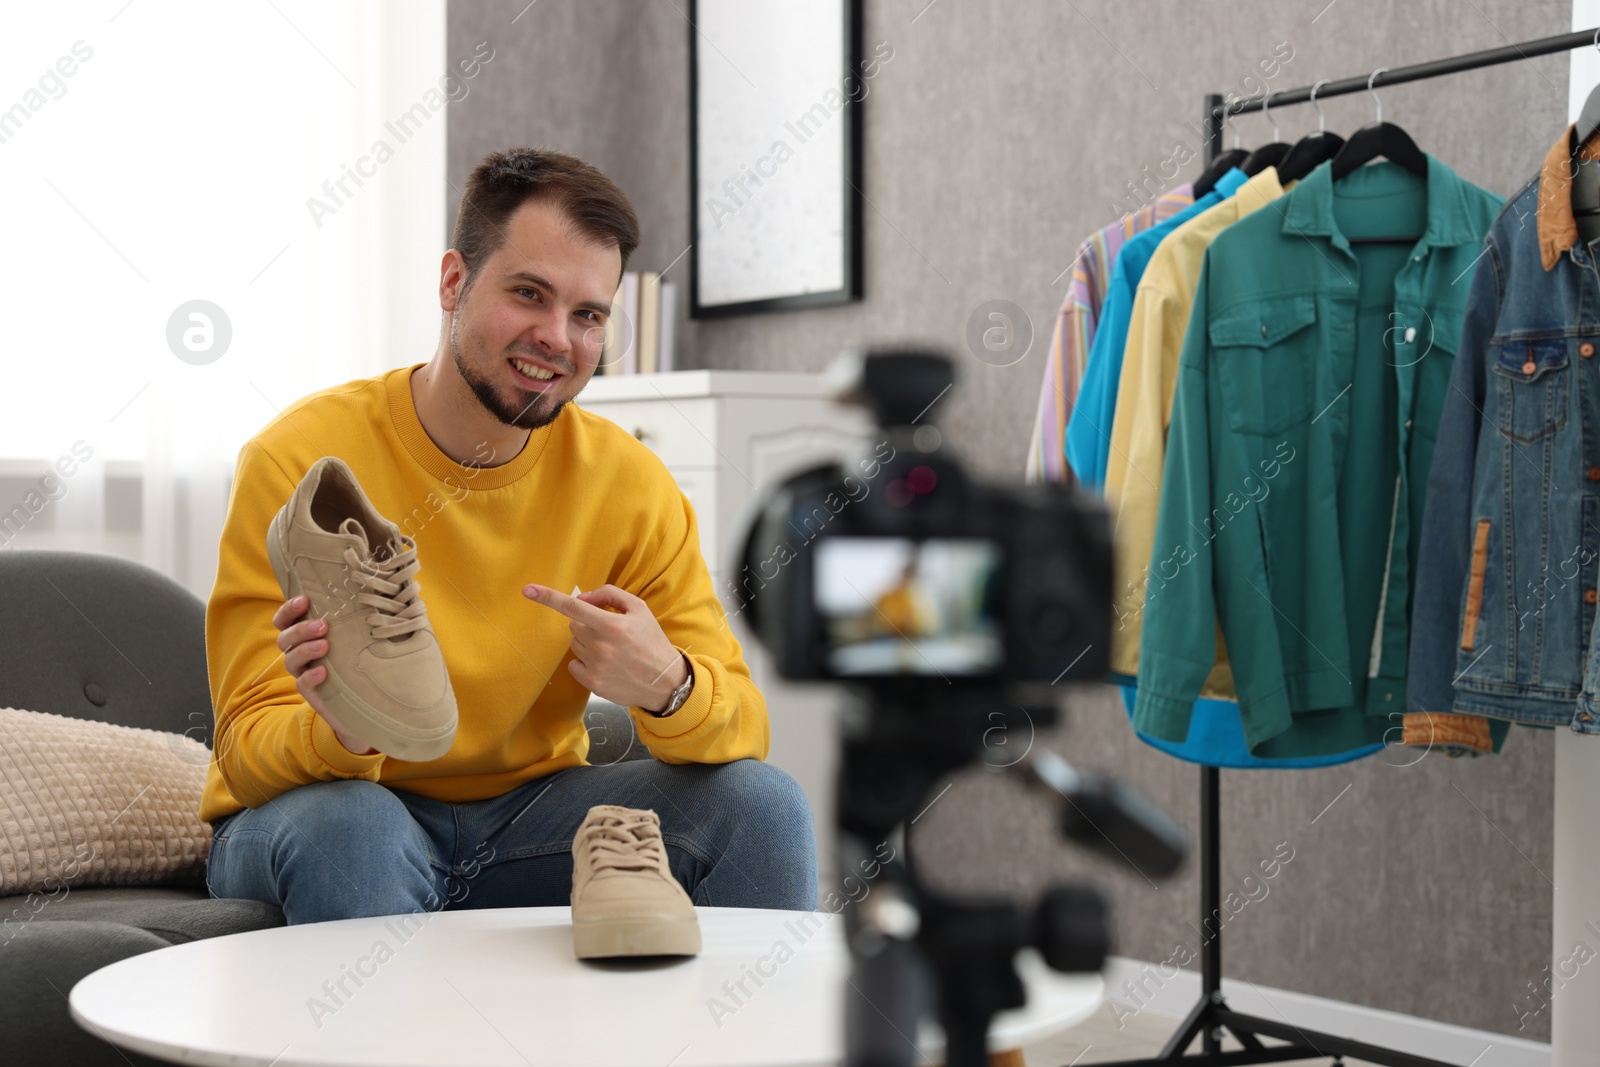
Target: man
pixel 514 499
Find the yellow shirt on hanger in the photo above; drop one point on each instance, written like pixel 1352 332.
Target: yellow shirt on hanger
pixel 1144 409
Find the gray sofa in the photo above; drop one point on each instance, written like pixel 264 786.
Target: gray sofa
pixel 100 637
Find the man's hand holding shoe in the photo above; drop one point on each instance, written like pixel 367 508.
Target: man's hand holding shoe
pixel 303 643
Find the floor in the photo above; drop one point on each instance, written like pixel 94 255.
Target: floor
pixel 1120 1035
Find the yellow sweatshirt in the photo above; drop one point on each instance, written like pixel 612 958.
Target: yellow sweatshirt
pixel 582 505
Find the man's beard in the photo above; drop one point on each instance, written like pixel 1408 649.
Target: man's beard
pixel 525 416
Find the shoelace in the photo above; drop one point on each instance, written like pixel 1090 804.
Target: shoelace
pixel 390 592
pixel 627 843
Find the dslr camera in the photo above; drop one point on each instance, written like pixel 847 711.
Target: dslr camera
pixel 899 566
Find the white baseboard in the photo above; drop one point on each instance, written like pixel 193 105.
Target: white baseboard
pixel 1140 987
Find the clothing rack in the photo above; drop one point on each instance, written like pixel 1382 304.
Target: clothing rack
pixel 1211 1017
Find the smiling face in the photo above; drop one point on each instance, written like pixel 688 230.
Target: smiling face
pixel 526 335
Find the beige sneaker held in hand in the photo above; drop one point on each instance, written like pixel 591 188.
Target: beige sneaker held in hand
pixel 625 901
pixel 386 681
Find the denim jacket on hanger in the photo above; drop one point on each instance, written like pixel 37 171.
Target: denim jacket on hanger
pixel 1506 588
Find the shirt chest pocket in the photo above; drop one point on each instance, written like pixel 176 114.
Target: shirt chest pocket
pixel 1264 360
pixel 1531 387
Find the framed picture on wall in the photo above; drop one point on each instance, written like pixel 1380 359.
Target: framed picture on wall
pixel 775 93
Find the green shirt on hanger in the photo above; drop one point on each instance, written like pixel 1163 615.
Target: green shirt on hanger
pixel 1309 390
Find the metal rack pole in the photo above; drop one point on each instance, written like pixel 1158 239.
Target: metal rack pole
pixel 1510 53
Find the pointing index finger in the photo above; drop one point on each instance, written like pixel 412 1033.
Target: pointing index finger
pixel 565 603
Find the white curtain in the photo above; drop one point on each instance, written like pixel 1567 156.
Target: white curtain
pixel 162 152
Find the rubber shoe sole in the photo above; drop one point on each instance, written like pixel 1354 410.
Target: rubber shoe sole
pixel 652 936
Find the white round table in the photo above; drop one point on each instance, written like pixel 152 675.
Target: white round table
pixel 501 987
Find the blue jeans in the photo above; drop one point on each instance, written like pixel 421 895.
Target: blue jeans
pixel 737 835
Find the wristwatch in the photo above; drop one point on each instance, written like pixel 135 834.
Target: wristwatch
pixel 680 694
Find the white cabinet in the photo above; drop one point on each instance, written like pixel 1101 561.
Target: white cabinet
pixel 728 436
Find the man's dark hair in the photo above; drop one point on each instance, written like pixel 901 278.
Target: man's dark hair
pixel 504 181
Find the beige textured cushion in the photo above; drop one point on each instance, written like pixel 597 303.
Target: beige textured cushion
pixel 90 803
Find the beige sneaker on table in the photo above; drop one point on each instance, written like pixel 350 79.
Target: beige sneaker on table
pixel 386 683
pixel 625 901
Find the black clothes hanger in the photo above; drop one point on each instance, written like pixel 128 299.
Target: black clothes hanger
pixel 1379 139
pixel 1587 125
pixel 1268 155
pixel 1219 166
pixel 1309 153
pixel 1224 162
pixel 1589 118
pixel 1312 150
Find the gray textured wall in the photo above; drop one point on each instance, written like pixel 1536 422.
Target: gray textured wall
pixel 995 139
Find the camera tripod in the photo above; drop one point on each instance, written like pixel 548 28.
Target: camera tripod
pixel 914 948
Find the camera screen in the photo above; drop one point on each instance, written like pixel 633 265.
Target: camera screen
pixel 891 605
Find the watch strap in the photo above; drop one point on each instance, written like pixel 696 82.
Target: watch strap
pixel 680 695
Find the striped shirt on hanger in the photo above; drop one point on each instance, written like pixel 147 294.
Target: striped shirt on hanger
pixel 1074 331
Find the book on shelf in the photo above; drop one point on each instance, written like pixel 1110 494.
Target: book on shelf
pixel 629 363
pixel 649 320
pixel 610 346
pixel 619 351
pixel 668 332
pixel 641 330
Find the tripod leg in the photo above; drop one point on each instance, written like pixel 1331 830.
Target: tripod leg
pixel 886 995
pixel 1248 1040
pixel 1178 1044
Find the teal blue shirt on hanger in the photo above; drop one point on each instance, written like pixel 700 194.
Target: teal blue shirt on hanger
pixel 1088 446
pixel 1317 321
pixel 1216 731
